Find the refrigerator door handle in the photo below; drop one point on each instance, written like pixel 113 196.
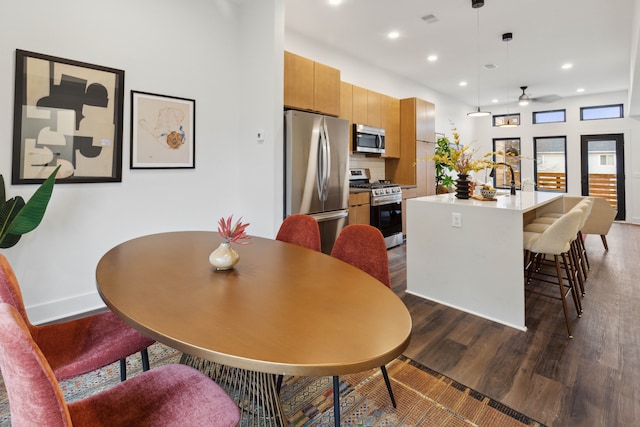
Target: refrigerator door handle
pixel 327 160
pixel 330 216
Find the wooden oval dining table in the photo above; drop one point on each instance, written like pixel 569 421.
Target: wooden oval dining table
pixel 282 309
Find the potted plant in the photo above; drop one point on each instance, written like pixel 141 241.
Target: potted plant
pixel 444 181
pixel 17 217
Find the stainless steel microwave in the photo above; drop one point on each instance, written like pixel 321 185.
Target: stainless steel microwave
pixel 367 139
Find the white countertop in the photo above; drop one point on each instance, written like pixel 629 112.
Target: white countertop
pixel 523 201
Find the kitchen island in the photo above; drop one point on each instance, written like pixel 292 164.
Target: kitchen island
pixel 468 254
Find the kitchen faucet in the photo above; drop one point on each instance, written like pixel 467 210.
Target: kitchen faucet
pixel 513 177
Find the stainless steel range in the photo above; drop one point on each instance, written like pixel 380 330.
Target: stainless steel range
pixel 386 205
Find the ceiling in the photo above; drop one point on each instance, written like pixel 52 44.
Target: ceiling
pixel 593 35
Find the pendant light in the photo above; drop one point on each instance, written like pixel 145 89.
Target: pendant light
pixel 509 123
pixel 478 113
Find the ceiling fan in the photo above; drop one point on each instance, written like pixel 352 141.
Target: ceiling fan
pixel 525 99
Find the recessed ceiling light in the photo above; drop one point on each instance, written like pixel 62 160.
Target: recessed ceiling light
pixel 335 2
pixel 494 100
pixel 567 66
pixel 432 58
pixel 580 89
pixel 463 83
pixel 393 35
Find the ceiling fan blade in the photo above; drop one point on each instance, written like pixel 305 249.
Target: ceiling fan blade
pixel 547 99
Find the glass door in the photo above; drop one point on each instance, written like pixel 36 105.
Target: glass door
pixel 602 161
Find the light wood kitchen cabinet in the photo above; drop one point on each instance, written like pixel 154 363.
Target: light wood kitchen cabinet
pixel 366 107
pixel 298 81
pixel 346 101
pixel 417 144
pixel 390 121
pixel 326 89
pixel 359 208
pixel 374 109
pixel 311 86
pixel 359 105
pixel 407 193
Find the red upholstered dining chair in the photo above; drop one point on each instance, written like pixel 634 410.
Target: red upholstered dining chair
pixel 78 346
pixel 301 230
pixel 169 395
pixel 363 247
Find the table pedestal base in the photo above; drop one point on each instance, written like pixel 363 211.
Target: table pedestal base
pixel 254 392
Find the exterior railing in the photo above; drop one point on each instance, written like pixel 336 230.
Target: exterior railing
pixel 600 185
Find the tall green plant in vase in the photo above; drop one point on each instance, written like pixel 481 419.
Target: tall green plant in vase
pixel 444 180
pixel 18 217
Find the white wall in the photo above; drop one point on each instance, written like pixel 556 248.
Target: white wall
pixel 226 55
pixel 573 128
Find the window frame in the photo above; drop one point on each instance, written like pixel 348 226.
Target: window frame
pixel 595 107
pixel 535 162
pixel 511 115
pixel 535 122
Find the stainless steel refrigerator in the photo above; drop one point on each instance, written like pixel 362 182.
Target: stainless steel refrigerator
pixel 316 171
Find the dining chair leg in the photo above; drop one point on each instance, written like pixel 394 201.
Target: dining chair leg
pixel 123 369
pixel 144 354
pixel 336 401
pixel 388 383
pixel 279 383
pixel 604 242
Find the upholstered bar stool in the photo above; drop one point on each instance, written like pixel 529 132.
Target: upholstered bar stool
pixel 580 252
pixel 578 255
pixel 555 241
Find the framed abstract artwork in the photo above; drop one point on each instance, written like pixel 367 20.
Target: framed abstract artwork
pixel 162 131
pixel 66 113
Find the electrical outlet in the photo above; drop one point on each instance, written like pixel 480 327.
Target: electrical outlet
pixel 456 220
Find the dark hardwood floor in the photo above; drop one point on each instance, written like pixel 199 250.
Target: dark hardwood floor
pixel 590 380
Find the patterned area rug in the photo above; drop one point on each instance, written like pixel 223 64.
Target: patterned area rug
pixel 424 397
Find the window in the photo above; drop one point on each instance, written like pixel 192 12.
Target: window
pixel 601 112
pixel 506 120
pixel 607 160
pixel 550 166
pixel 510 162
pixel 551 116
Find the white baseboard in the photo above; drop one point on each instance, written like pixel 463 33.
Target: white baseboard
pixel 55 310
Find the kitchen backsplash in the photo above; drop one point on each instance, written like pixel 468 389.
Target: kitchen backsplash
pixel 374 164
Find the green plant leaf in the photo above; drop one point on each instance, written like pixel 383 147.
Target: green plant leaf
pixel 8 211
pixel 30 216
pixel 3 194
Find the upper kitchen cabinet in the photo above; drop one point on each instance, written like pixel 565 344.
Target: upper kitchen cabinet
pixel 374 109
pixel 366 107
pixel 359 105
pixel 417 145
pixel 346 101
pixel 390 121
pixel 311 86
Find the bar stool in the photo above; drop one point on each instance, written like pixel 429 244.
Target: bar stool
pixel 555 241
pixel 579 252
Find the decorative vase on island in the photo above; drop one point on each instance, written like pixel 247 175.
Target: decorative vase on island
pixel 462 187
pixel 224 257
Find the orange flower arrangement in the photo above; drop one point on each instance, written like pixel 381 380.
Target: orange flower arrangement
pixel 235 233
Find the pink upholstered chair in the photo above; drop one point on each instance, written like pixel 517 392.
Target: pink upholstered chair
pixel 301 230
pixel 78 346
pixel 170 395
pixel 363 247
